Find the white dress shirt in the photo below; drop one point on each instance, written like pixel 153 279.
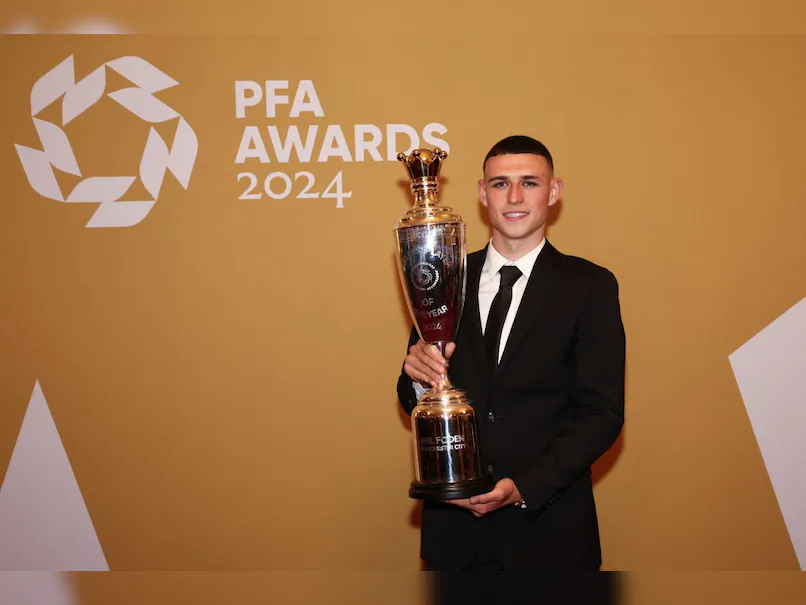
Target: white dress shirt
pixel 488 288
pixel 491 280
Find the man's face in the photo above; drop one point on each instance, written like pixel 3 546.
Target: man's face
pixel 517 190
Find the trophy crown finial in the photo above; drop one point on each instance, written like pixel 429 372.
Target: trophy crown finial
pixel 423 164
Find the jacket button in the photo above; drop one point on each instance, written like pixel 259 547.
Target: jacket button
pixel 490 468
pixel 491 416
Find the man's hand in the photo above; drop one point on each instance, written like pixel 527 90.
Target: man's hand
pixel 425 365
pixel 505 493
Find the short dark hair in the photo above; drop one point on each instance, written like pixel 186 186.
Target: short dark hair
pixel 519 144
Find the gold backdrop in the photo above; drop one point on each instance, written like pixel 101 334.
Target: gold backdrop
pixel 222 373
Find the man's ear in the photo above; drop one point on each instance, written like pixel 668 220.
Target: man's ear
pixel 482 193
pixel 556 190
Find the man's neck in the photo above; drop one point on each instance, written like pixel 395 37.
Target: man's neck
pixel 512 250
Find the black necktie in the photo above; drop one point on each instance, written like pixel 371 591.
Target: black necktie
pixel 498 312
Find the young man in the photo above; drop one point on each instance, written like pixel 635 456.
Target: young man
pixel 540 353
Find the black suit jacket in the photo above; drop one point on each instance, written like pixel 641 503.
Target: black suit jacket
pixel 553 406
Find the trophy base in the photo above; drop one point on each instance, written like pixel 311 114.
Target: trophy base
pixel 451 491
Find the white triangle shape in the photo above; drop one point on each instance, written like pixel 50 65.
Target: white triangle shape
pixel 769 370
pixel 44 521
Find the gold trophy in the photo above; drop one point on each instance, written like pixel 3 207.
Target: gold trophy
pixel 431 262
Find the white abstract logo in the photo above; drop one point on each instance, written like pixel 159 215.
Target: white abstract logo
pixel 78 97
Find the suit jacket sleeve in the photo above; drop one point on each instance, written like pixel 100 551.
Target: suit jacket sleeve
pixel 598 395
pixel 405 389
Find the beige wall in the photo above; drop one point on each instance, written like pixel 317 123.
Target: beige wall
pixel 222 374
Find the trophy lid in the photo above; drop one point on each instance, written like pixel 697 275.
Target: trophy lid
pixel 423 167
pixel 424 164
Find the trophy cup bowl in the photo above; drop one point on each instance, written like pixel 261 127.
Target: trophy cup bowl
pixel 431 259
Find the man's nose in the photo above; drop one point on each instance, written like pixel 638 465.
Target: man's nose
pixel 515 194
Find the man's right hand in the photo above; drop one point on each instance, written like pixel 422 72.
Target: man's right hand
pixel 425 365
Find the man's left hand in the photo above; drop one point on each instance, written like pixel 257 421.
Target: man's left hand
pixel 505 493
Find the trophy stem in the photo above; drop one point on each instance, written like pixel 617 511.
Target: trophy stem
pixel 445 383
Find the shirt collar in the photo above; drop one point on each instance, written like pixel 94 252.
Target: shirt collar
pixel 494 261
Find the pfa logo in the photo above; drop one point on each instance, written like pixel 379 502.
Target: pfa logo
pixel 76 98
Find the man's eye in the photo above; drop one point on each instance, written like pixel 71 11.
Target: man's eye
pixel 499 184
pixel 530 184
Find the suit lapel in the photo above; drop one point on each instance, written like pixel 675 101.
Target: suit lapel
pixel 471 317
pixel 541 284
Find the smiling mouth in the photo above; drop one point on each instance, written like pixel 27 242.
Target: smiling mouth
pixel 515 215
